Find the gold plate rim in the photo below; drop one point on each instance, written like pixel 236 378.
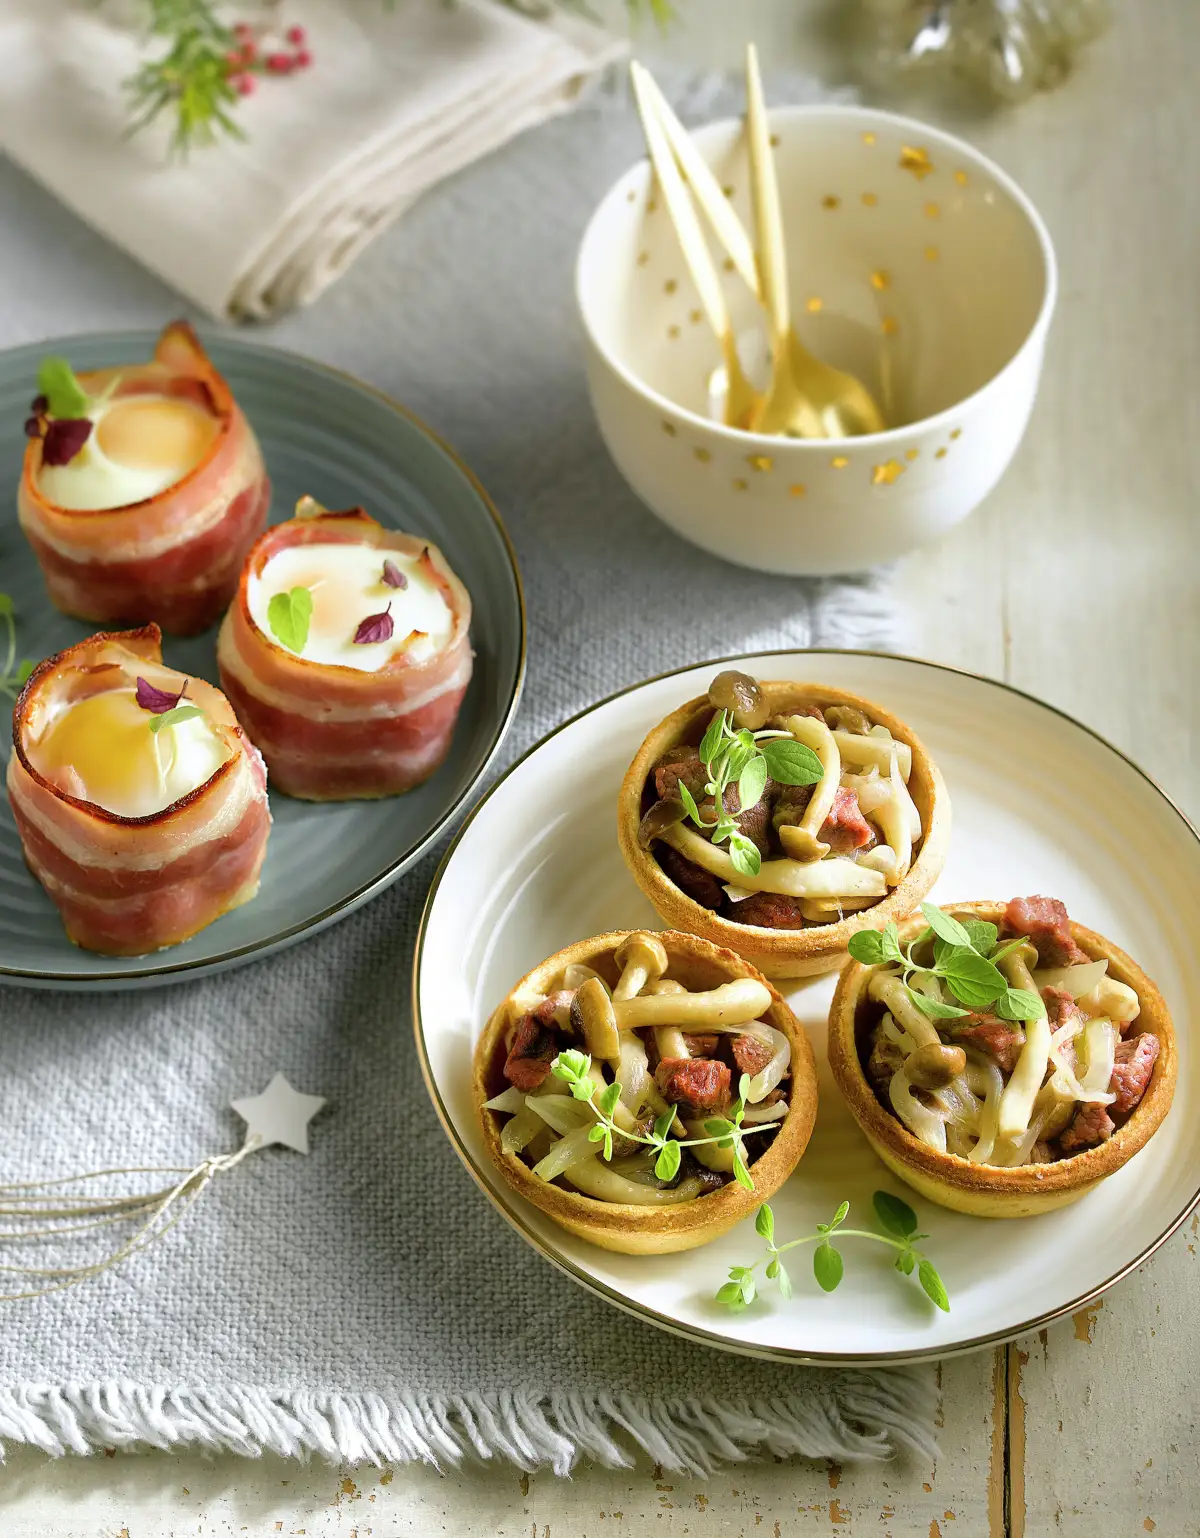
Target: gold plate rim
pixel 695 1334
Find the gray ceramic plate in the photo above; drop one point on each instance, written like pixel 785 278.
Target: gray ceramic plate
pixel 325 434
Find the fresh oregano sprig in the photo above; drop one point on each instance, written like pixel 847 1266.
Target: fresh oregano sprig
pixel 13 674
pixel 575 1069
pixel 895 1217
pixel 737 756
pixel 964 958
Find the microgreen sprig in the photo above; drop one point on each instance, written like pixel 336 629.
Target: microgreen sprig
pixel 289 615
pixel 575 1070
pixel 13 673
pixel 736 756
pixel 895 1217
pixel 965 956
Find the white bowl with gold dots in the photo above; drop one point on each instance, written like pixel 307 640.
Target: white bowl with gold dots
pixel 914 262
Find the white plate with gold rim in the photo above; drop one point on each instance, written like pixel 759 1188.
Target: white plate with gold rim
pixel 1041 804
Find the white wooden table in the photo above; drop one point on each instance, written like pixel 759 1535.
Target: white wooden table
pixel 1077 581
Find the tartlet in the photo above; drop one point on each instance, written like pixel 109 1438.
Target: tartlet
pixel 697 965
pixel 986 1190
pixel 781 952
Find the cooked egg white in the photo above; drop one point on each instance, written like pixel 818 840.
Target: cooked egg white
pixel 139 446
pixel 346 583
pixel 102 750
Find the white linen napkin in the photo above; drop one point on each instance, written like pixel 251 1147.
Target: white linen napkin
pixel 397 98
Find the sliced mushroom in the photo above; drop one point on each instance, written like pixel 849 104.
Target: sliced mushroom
pixel 643 960
pixel 742 696
pixel 593 1016
pixel 933 1066
pixel 848 718
pixel 664 986
pixel 598 1018
pixel 661 816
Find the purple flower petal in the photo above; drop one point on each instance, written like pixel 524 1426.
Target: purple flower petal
pixel 393 576
pixel 376 627
pixel 64 439
pixel 157 700
pixel 33 427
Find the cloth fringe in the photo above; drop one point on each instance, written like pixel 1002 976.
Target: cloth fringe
pixel 845 1416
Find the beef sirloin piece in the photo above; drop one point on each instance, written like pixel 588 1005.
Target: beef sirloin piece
pixel 534 1046
pixel 681 763
pixel 884 1061
pixel 1131 1071
pixel 845 828
pixel 769 910
pixel 791 802
pixel 693 1083
pixel 989 1034
pixel 691 879
pixel 751 1054
pixel 1091 1125
pixel 1044 920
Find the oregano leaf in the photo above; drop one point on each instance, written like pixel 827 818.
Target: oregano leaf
pixel 827 1266
pixel 288 615
pixel 896 1216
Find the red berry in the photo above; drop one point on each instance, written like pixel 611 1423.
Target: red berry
pixel 244 84
pixel 296 35
pixel 302 59
pixel 279 63
pixel 250 53
pixel 243 30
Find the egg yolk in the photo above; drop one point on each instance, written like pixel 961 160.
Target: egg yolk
pixel 156 433
pixel 102 750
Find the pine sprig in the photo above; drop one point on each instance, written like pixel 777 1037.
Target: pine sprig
pixel 898 1222
pixel 192 79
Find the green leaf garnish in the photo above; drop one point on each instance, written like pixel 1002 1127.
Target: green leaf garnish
pixel 65 396
pixel 895 1215
pixel 752 781
pixel 982 935
pixel 173 717
pixel 897 1219
pixel 666 1166
pixel 743 852
pixel 973 979
pixel 946 926
pixel 11 680
pixel 1019 1005
pixel 288 615
pixel 934 1287
pixel 791 762
pixel 934 1008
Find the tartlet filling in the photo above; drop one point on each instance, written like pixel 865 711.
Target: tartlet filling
pixel 787 821
pixel 642 1092
pixel 1050 1066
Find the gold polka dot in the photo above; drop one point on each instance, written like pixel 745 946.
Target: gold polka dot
pixel 881 280
pixel 760 461
pixel 941 453
pixel 911 453
pixel 672 331
pixel 669 428
pixel 839 462
pixel 831 200
pixel 776 141
pixel 695 316
pixel 869 200
pixel 932 253
pixel 915 159
pixel 702 455
pixel 957 433
pixel 933 210
pixel 728 191
pixel 643 258
pixel 739 484
pixel 868 138
pixel 796 489
pixel 814 305
pixel 652 205
pixel 728 264
pixel 889 325
pixel 670 286
pixel 886 474
pixel 631 195
pixel 961 178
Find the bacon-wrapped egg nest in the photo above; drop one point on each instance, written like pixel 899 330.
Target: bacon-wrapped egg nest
pixel 150 517
pixel 140 836
pixel 364 704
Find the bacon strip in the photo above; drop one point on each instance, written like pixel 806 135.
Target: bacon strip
pixel 126 886
pixel 332 733
pixel 173 559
